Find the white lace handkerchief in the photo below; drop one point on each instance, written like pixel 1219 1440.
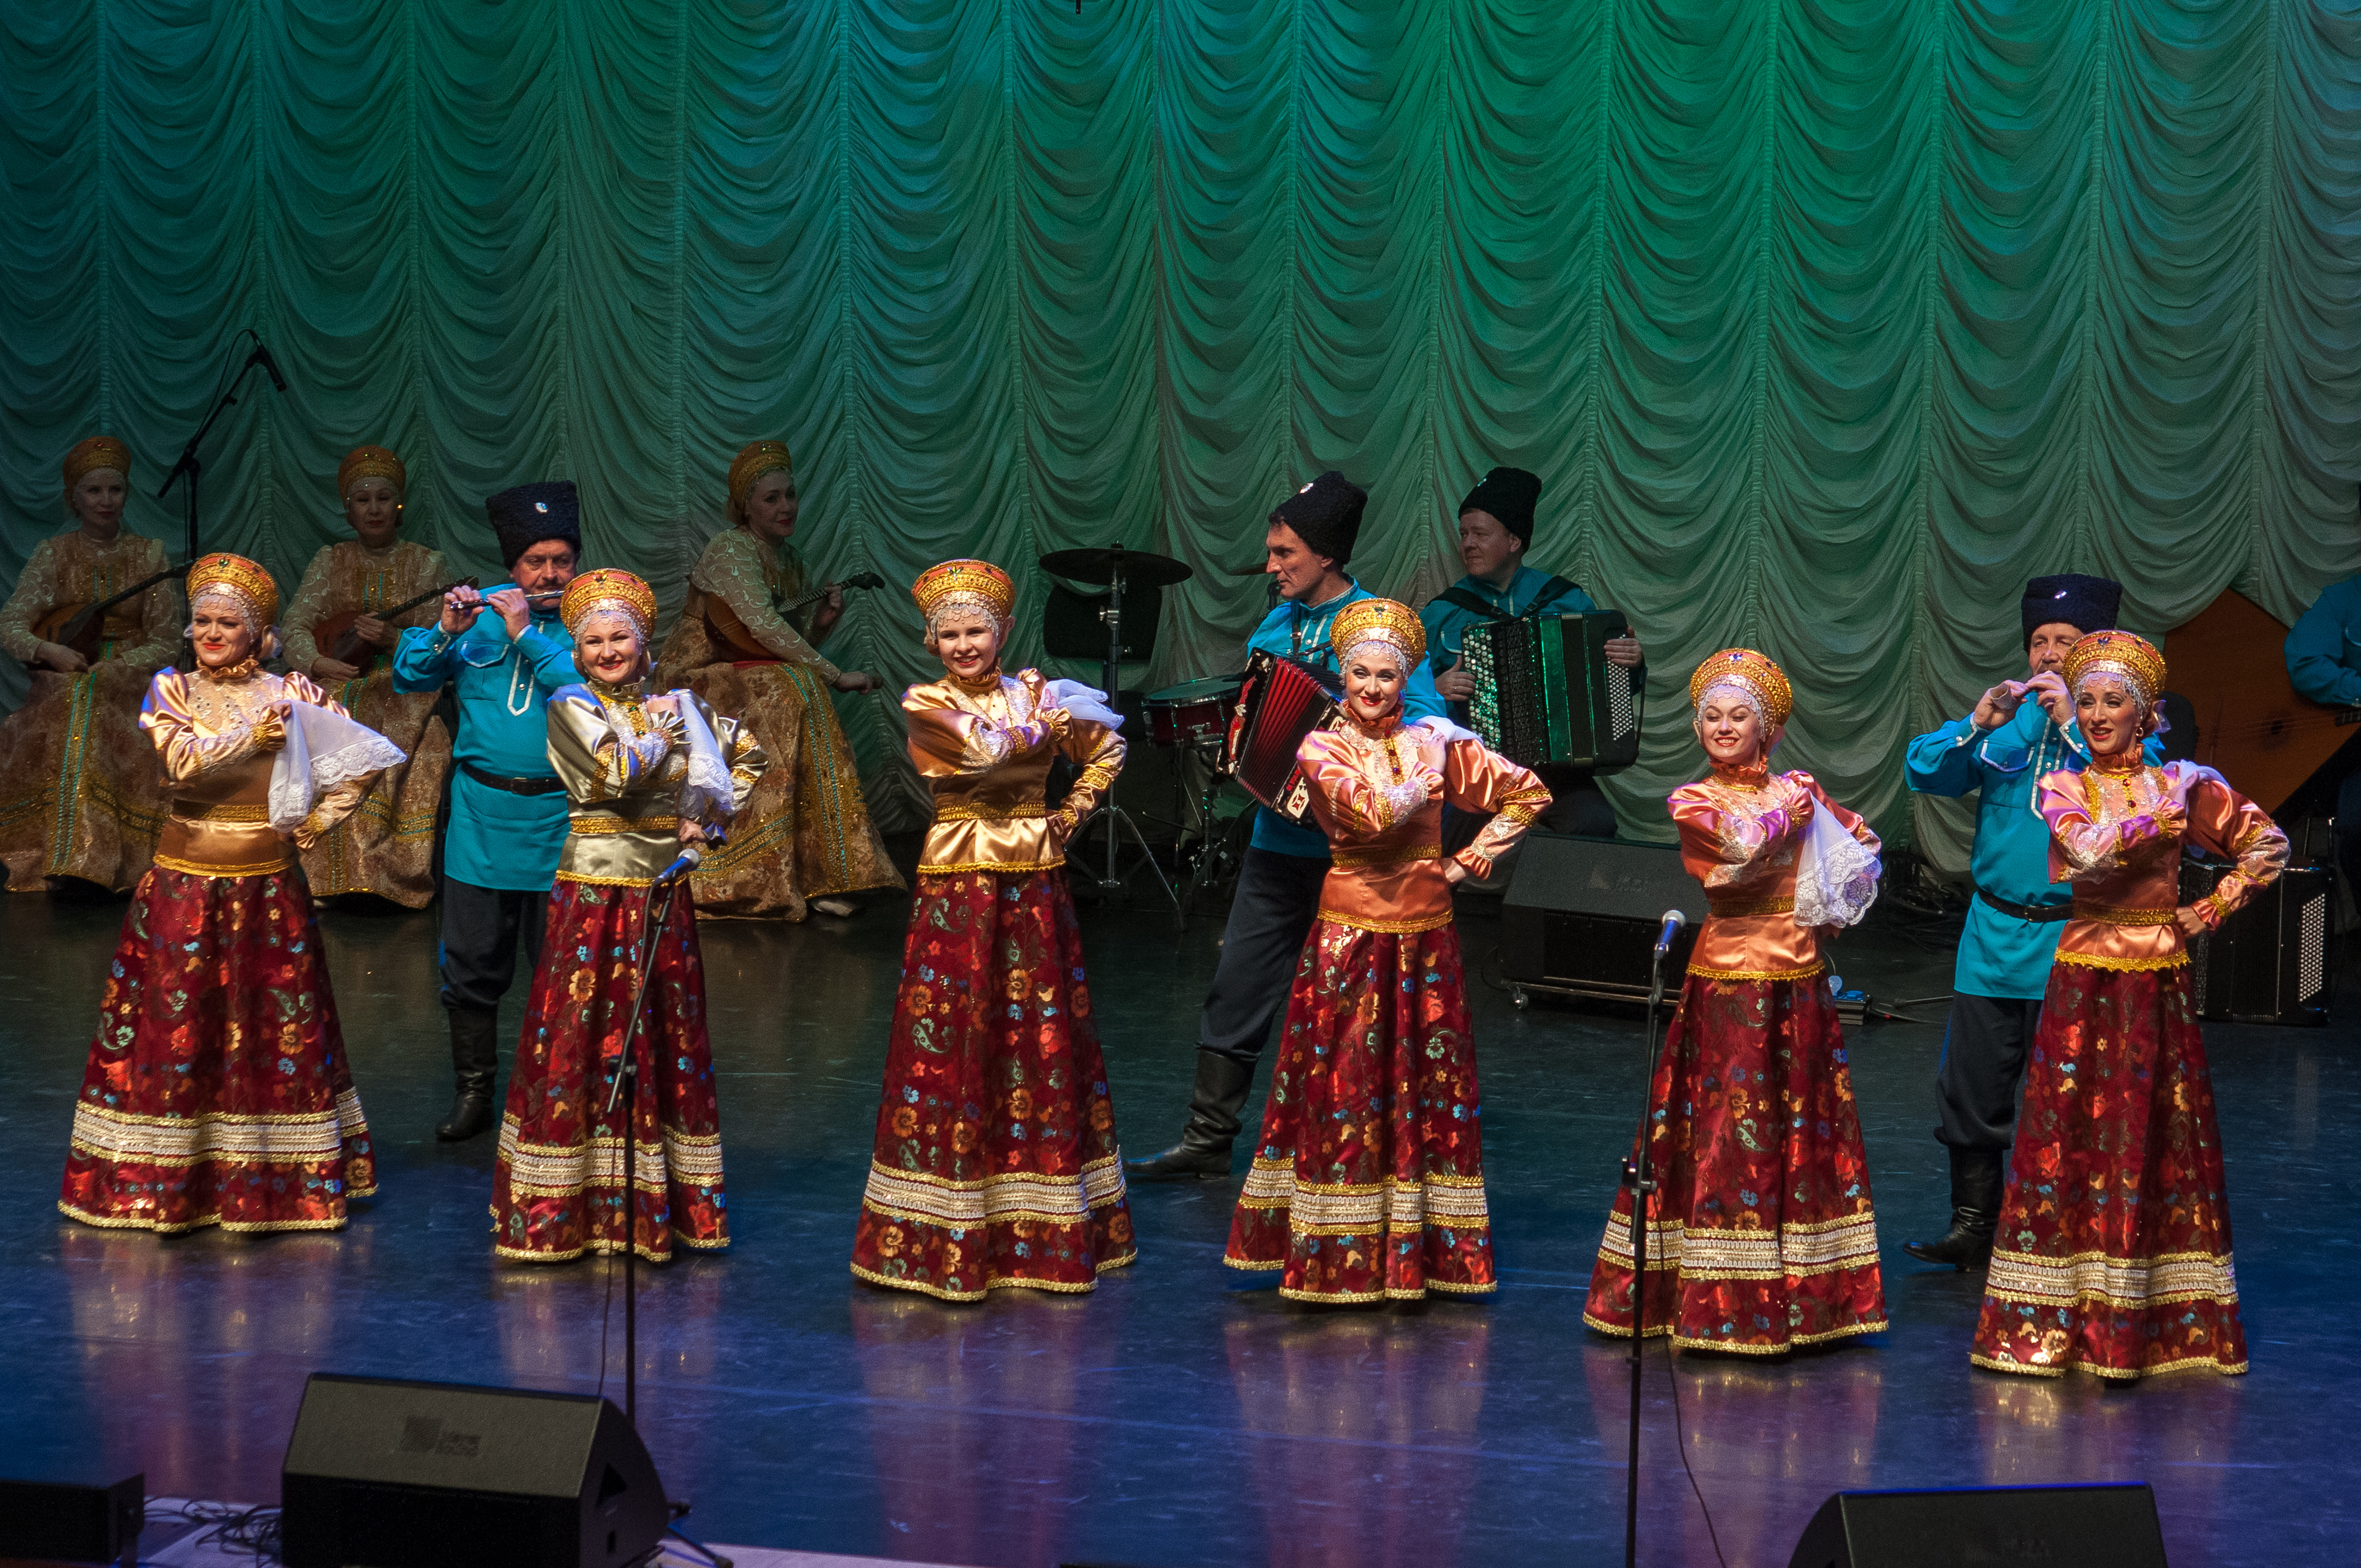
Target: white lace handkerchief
pixel 322 751
pixel 1836 875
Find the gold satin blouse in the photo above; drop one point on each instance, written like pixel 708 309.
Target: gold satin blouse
pixel 348 577
pixel 217 743
pixel 1739 833
pixel 625 825
pixel 1385 836
pixel 986 759
pixel 2127 872
pixel 142 633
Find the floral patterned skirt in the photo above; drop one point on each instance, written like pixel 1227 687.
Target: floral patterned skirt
pixel 79 791
pixel 387 845
pixel 1763 1236
pixel 2113 1251
pixel 217 1091
pixel 1368 1172
pixel 559 1184
pixel 995 1162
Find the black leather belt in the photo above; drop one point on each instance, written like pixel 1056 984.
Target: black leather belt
pixel 2042 914
pixel 514 786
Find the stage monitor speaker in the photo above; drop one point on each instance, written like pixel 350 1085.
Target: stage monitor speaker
pixel 2111 1526
pixel 2271 961
pixel 1580 917
pixel 55 1521
pixel 383 1474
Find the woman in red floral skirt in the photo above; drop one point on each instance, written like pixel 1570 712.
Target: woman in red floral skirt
pixel 995 1161
pixel 2113 1251
pixel 217 1091
pixel 1368 1172
pixel 1763 1238
pixel 646 774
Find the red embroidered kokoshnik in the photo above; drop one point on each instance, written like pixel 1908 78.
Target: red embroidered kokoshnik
pixel 217 1091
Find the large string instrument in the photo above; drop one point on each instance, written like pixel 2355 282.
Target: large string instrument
pixel 2252 726
pixel 337 635
pixel 730 633
pixel 78 624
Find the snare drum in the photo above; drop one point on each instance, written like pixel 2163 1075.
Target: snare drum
pixel 1194 713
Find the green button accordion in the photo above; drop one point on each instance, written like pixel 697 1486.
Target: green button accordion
pixel 1546 693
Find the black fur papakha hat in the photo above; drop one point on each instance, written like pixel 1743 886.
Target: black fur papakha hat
pixel 1326 515
pixel 2086 604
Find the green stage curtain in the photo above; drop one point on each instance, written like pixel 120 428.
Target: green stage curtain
pixel 1826 322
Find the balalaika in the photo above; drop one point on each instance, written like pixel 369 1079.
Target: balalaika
pixel 1282 701
pixel 1546 693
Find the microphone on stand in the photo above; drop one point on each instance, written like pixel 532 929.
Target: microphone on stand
pixel 1672 922
pixel 682 864
pixel 261 356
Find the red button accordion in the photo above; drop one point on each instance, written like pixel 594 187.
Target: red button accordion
pixel 1282 701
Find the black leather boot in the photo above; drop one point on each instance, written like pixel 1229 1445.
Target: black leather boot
pixel 476 1063
pixel 1203 1152
pixel 1976 1178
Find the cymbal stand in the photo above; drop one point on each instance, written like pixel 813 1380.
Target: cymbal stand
pixel 1118 819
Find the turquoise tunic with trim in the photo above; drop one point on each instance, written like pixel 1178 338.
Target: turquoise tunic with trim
pixel 2000 954
pixel 1447 623
pixel 497 839
pixel 1301 633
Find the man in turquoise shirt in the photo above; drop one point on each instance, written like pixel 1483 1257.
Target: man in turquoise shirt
pixel 503 653
pixel 2324 660
pixel 1305 547
pixel 2000 754
pixel 1496 528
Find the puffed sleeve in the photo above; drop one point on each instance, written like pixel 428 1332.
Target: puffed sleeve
pixel 2081 848
pixel 1851 821
pixel 732 571
pixel 1724 838
pixel 741 753
pixel 947 741
pixel 1347 798
pixel 185 754
pixel 2229 824
pixel 311 605
pixel 1478 779
pixel 1100 752
pixel 35 595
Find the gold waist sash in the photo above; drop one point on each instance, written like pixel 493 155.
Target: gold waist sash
pixel 1738 908
pixel 1394 855
pixel 2106 915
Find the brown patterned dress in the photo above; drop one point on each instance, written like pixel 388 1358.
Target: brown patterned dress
pixel 80 794
pixel 806 833
pixel 387 846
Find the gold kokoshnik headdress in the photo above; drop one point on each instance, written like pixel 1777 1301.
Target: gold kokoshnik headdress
pixel 372 463
pixel 977 587
pixel 1745 670
pixel 98 452
pixel 1380 622
pixel 608 591
pixel 758 458
pixel 2119 656
pixel 244 583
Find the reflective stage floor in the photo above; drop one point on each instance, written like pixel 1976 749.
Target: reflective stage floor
pixel 1183 1414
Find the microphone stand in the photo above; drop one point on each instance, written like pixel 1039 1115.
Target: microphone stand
pixel 626 1091
pixel 187 464
pixel 1641 1181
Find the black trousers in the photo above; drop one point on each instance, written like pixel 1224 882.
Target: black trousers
pixel 480 926
pixel 1272 912
pixel 1983 1068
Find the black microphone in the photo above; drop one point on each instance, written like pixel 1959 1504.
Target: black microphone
pixel 1672 922
pixel 682 864
pixel 261 356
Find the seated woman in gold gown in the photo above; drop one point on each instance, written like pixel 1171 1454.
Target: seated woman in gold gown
pixel 79 797
pixel 387 846
pixel 805 835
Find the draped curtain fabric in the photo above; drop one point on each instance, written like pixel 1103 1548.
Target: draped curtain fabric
pixel 1826 322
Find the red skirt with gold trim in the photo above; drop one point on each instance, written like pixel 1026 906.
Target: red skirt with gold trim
pixel 217 1091
pixel 558 1187
pixel 2113 1251
pixel 1763 1238
pixel 995 1162
pixel 1368 1173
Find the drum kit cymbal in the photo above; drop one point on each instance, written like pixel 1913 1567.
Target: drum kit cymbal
pixel 1191 718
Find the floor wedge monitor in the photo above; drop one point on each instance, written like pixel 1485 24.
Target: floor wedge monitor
pixel 2111 1526
pixel 71 1522
pixel 1581 915
pixel 392 1474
